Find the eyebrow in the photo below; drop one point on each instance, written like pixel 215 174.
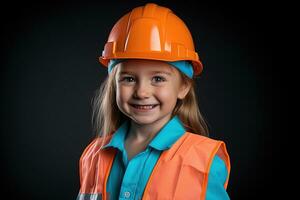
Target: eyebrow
pixel 153 72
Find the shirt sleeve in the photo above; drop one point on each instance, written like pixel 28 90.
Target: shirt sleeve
pixel 216 180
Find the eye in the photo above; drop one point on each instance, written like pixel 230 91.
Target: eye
pixel 158 79
pixel 127 79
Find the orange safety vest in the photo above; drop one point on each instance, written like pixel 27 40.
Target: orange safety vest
pixel 181 172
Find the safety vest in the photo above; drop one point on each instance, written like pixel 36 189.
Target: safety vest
pixel 181 172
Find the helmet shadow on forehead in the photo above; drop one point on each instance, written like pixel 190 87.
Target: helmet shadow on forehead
pixel 147 66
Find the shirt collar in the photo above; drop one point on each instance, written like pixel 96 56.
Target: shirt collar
pixel 118 137
pixel 163 140
pixel 168 135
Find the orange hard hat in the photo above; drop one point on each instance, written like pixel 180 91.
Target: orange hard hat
pixel 151 32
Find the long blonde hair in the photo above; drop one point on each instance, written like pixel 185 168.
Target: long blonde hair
pixel 106 116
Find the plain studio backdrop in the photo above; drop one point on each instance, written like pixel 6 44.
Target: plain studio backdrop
pixel 49 73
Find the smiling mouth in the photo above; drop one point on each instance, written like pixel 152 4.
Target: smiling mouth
pixel 144 107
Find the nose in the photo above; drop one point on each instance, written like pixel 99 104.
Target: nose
pixel 142 90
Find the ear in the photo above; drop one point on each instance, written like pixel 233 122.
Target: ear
pixel 184 89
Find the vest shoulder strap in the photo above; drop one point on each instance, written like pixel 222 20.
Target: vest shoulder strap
pixel 202 150
pixel 92 159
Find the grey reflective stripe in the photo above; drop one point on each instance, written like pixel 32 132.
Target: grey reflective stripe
pixel 89 196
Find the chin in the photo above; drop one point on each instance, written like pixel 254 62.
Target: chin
pixel 144 120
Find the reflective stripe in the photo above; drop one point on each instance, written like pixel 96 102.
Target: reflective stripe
pixel 89 196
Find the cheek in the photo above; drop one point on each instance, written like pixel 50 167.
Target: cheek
pixel 167 95
pixel 122 94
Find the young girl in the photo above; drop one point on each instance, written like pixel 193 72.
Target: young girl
pixel 152 141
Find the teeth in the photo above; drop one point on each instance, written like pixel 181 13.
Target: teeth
pixel 144 107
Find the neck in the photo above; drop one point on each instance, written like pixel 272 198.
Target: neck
pixel 146 132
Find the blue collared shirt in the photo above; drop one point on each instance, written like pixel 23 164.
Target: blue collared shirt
pixel 128 179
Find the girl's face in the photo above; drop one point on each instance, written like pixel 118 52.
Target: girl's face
pixel 147 91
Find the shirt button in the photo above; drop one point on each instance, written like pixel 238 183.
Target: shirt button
pixel 127 194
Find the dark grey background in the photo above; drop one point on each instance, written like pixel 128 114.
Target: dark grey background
pixel 49 72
